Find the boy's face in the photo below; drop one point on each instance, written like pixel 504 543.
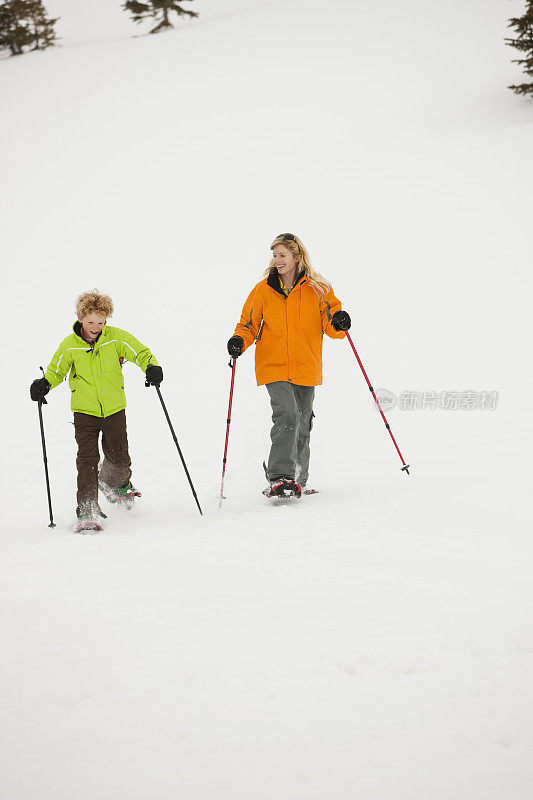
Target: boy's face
pixel 92 324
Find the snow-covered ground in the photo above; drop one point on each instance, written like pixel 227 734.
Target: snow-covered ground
pixel 374 640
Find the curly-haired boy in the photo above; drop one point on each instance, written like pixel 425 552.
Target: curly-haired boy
pixel 92 357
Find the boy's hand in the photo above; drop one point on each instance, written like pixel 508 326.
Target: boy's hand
pixel 39 388
pixel 341 321
pixel 154 375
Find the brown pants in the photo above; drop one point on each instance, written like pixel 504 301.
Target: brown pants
pixel 116 467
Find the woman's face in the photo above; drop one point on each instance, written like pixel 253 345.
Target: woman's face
pixel 284 261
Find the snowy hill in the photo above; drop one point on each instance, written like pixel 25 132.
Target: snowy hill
pixel 372 640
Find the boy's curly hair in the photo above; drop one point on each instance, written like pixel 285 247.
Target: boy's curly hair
pixel 94 303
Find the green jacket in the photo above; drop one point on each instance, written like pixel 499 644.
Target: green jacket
pixel 96 380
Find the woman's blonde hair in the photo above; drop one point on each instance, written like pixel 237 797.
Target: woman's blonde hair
pixel 94 303
pixel 297 248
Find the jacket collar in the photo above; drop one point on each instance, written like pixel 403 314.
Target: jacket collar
pixel 273 281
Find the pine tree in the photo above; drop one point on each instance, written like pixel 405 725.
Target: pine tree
pixel 156 9
pixel 14 31
pixel 524 43
pixel 43 27
pixel 24 24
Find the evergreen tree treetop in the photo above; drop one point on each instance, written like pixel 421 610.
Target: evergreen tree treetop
pixel 23 23
pixel 159 10
pixel 523 42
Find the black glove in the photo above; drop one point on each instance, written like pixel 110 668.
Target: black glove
pixel 39 388
pixel 153 375
pixel 235 346
pixel 341 321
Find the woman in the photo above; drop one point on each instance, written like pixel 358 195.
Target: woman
pixel 287 315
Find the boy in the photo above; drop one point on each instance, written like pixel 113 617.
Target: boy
pixel 93 355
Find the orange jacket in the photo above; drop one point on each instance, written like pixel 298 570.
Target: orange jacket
pixel 288 330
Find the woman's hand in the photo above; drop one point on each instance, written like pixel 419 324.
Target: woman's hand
pixel 235 346
pixel 341 321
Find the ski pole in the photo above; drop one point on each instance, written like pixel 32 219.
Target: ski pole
pixel 405 467
pixel 158 390
pixel 39 405
pixel 232 365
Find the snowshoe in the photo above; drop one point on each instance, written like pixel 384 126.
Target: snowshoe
pixel 309 491
pixel 123 495
pixel 83 525
pixel 284 487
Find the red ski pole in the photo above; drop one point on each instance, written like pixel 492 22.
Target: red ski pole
pixel 232 365
pixel 405 467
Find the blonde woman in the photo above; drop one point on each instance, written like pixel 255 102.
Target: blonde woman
pixel 287 314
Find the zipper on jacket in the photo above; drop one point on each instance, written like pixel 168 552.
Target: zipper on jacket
pixel 97 353
pixel 97 384
pixel 287 324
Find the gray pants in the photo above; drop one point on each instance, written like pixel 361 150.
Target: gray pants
pixel 292 415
